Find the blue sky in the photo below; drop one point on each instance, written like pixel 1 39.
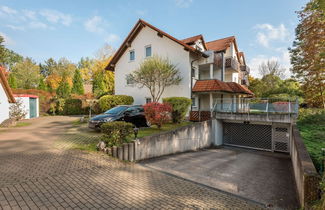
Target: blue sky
pixel 78 28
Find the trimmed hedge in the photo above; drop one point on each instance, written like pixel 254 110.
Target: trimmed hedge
pixel 115 133
pixel 73 107
pixel 180 106
pixel 109 101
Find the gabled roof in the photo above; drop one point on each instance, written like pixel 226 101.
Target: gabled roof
pixel 217 85
pixel 220 44
pixel 5 85
pixel 134 32
pixel 193 39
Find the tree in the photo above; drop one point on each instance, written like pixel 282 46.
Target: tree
pixel 156 74
pixel 308 52
pixel 12 81
pixel 64 89
pixel 86 66
pixel 8 57
pixel 78 86
pixel 271 67
pixel 103 80
pixel 26 73
pixel 41 84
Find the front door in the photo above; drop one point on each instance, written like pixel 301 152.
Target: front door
pixel 32 107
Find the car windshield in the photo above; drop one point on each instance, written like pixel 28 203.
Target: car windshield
pixel 116 110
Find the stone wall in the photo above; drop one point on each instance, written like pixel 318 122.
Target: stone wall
pixel 306 176
pixel 191 137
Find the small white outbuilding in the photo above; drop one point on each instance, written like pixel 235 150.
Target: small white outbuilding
pixel 30 104
pixel 6 96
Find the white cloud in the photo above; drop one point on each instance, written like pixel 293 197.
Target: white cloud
pixel 8 10
pixel 268 33
pixel 111 38
pixel 8 40
pixel 183 3
pixel 94 24
pixel 15 28
pixel 54 16
pixel 141 12
pixel 39 25
pixel 29 14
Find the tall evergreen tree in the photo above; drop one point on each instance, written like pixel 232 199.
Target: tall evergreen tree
pixel 12 81
pixel 308 52
pixel 78 86
pixel 64 89
pixel 41 84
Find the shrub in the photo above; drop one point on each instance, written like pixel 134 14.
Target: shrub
pixel 109 101
pixel 115 133
pixel 180 106
pixel 73 107
pixel 60 103
pixel 157 113
pixel 16 110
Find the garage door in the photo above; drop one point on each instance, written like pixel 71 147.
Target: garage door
pixel 248 135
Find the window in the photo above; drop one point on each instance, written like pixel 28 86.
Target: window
pixel 148 51
pixel 129 80
pixel 148 100
pixel 193 102
pixel 132 55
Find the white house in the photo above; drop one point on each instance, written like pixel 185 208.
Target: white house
pixel 6 96
pixel 212 72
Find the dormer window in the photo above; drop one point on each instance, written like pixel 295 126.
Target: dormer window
pixel 148 51
pixel 132 55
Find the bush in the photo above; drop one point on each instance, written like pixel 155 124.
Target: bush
pixel 73 107
pixel 16 110
pixel 109 101
pixel 180 106
pixel 115 133
pixel 157 113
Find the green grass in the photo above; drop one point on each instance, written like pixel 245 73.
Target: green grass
pixel 22 124
pixel 311 124
pixel 154 130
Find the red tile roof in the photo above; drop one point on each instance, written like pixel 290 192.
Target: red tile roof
pixel 220 44
pixel 134 32
pixel 217 85
pixel 5 85
pixel 191 40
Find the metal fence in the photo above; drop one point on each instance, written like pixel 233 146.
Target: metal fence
pixel 255 106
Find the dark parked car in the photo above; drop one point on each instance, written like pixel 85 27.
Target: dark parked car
pixel 133 114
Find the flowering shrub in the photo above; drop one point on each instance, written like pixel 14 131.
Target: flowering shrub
pixel 157 113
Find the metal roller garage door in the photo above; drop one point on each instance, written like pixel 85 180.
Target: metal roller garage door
pixel 248 135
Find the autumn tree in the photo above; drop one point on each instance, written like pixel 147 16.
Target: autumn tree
pixel 78 86
pixel 64 89
pixel 271 67
pixel 308 52
pixel 26 73
pixel 156 74
pixel 85 65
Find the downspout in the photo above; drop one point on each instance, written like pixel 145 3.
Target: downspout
pixel 192 69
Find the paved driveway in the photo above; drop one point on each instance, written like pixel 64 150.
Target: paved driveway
pixel 36 174
pixel 261 176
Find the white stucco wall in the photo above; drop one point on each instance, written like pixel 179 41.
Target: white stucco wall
pixel 4 105
pixel 163 47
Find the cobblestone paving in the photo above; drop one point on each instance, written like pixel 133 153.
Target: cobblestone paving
pixel 51 178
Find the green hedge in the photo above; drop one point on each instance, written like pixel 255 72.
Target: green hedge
pixel 109 101
pixel 115 133
pixel 73 107
pixel 180 106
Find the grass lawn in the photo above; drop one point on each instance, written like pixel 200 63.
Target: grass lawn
pixel 311 124
pixel 22 124
pixel 154 130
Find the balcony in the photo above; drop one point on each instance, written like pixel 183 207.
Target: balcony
pixel 245 68
pixel 232 63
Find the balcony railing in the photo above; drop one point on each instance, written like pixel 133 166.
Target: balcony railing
pixel 245 68
pixel 258 106
pixel 231 63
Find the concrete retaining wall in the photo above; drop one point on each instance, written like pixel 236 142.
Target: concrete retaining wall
pixel 306 176
pixel 192 137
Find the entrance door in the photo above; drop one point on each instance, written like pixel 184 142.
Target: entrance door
pixel 32 108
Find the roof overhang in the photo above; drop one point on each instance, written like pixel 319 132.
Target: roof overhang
pixel 134 32
pixel 5 85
